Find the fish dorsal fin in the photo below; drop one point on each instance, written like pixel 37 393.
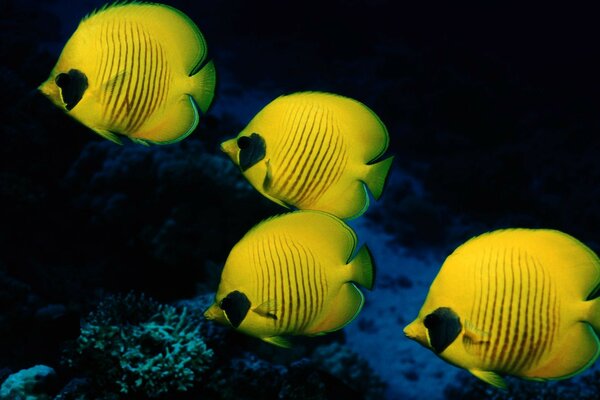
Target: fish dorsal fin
pixel 267 309
pixel 490 377
pixel 278 341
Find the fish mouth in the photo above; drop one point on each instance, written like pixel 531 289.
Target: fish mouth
pixel 230 148
pixel 416 331
pixel 215 313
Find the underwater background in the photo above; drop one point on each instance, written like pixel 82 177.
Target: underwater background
pixel 111 253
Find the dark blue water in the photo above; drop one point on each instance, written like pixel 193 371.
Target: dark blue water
pixel 493 118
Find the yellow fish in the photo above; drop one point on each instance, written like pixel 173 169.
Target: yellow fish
pixel 516 302
pixel 314 151
pixel 135 69
pixel 293 274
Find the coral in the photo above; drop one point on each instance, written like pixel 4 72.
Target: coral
pixel 28 384
pixel 134 346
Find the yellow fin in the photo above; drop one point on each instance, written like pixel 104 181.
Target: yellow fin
pixel 180 120
pixel 490 377
pixel 268 183
pixel 108 135
pixel 577 351
pixel 267 309
pixel 377 175
pixel 344 308
pixel 363 269
pixel 116 81
pixel 475 335
pixel 278 341
pixel 474 339
pixel 347 205
pixel 203 86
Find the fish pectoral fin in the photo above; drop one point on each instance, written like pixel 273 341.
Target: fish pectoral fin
pixel 267 309
pixel 113 82
pixel 279 341
pixel 109 135
pixel 268 182
pixel 490 377
pixel 268 185
pixel 475 335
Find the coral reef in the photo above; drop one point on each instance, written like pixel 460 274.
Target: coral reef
pixel 137 347
pixel 29 384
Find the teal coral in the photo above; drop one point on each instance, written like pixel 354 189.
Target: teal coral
pixel 138 347
pixel 27 384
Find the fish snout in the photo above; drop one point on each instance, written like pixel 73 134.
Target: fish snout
pixel 230 148
pixel 215 313
pixel 416 331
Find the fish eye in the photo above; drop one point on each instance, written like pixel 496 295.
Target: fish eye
pixel 243 142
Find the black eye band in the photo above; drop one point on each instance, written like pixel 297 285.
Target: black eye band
pixel 72 87
pixel 252 150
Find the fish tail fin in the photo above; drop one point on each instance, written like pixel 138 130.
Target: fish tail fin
pixel 203 86
pixel 594 314
pixel 363 268
pixel 376 177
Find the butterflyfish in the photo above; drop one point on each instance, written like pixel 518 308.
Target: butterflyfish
pixel 514 302
pixel 293 274
pixel 314 151
pixel 135 69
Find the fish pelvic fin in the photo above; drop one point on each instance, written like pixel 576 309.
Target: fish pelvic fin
pixel 490 377
pixel 377 175
pixel 279 341
pixel 363 268
pixel 109 135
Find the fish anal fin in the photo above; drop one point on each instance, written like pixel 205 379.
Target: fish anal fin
pixel 344 308
pixel 577 350
pixel 349 199
pixel 177 122
pixel 267 309
pixel 278 341
pixel 490 377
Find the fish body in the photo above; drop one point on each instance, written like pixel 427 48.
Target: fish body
pixel 135 69
pixel 314 151
pixel 516 302
pixel 293 274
